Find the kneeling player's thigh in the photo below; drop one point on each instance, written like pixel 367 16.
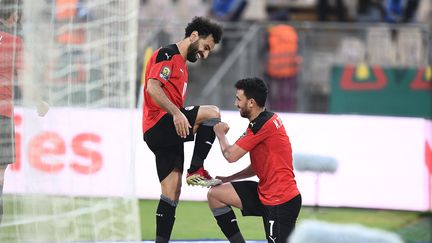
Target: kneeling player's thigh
pixel 224 194
pixel 289 211
pixel 248 194
pixel 280 220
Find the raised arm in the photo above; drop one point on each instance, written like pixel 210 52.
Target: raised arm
pixel 232 153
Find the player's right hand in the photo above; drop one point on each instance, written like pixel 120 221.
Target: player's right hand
pixel 181 124
pixel 221 127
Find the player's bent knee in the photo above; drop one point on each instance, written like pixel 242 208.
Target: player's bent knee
pixel 171 194
pixel 171 190
pixel 214 108
pixel 210 196
pixel 213 193
pixel 215 197
pixel 211 111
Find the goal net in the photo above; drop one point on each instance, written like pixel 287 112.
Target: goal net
pixel 73 179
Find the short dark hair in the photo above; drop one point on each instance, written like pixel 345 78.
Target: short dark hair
pixel 254 88
pixel 8 7
pixel 205 28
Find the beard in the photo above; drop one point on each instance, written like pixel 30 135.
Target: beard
pixel 192 52
pixel 245 113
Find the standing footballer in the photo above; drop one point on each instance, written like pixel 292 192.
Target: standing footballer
pixel 275 197
pixel 167 124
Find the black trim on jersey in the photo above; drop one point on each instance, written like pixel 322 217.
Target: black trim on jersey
pixel 167 52
pixel 259 122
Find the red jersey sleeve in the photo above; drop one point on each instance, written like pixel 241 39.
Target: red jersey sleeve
pixel 160 70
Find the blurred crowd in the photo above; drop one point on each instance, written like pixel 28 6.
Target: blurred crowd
pixel 389 11
pixel 394 42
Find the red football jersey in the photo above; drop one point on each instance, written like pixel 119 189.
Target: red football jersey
pixel 271 157
pixel 10 60
pixel 169 67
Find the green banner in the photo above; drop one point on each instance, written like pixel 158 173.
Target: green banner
pixel 374 90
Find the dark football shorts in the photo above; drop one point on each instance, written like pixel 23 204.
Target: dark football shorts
pixel 167 146
pixel 7 141
pixel 279 220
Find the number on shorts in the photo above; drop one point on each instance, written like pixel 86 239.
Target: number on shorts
pixel 271 227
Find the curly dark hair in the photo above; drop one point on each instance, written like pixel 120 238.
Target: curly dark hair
pixel 205 27
pixel 254 88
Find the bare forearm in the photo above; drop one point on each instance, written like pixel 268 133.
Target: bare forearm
pixel 158 95
pixel 224 145
pixel 232 153
pixel 245 173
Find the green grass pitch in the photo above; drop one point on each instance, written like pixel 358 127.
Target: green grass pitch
pixel 195 221
pixel 56 219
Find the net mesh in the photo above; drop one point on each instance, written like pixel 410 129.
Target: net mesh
pixel 71 180
pixel 89 54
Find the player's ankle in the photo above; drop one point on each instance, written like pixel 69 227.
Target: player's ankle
pixel 193 168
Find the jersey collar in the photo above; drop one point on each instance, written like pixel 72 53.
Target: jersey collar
pixel 256 124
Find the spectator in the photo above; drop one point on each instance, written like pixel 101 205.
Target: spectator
pixel 424 12
pixel 370 11
pixel 325 10
pixel 400 11
pixel 282 66
pixel 255 11
pixel 390 11
pixel 227 10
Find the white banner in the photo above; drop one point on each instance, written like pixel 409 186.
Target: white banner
pixel 73 151
pixel 382 161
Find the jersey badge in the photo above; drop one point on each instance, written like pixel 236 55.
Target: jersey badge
pixel 165 73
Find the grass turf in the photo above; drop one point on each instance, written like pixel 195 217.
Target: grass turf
pixel 195 221
pixel 58 219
